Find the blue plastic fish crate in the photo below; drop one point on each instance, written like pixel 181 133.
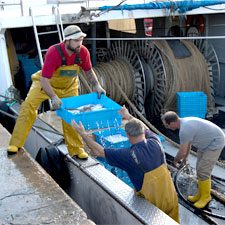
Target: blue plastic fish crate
pixel 121 174
pixel 107 117
pixel 161 139
pixel 101 138
pixel 191 104
pixel 103 134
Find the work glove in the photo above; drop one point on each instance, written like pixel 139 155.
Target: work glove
pixel 100 91
pixel 56 102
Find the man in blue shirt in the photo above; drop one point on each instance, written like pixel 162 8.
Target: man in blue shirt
pixel 144 163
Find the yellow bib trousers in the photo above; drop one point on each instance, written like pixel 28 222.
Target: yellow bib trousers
pixel 64 85
pixel 158 188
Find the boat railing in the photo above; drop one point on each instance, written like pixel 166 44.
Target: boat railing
pixel 23 4
pixel 59 2
pixel 20 3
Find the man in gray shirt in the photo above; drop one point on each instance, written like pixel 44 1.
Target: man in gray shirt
pixel 209 140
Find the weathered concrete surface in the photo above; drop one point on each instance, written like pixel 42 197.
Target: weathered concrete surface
pixel 28 195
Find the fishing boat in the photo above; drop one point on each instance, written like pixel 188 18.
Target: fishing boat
pixel 154 50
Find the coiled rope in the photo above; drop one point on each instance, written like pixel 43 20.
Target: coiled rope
pixel 110 73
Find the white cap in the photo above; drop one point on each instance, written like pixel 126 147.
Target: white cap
pixel 73 32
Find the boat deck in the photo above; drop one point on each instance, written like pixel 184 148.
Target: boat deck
pixel 115 198
pixel 28 195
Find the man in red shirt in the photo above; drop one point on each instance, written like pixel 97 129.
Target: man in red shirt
pixel 58 79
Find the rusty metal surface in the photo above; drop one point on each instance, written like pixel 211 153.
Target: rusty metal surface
pixel 28 195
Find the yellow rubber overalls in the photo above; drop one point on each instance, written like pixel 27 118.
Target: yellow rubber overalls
pixel 158 188
pixel 65 84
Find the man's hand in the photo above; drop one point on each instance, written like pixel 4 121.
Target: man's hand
pixel 125 113
pixel 176 164
pixel 182 154
pixel 56 102
pixel 184 161
pixel 78 128
pixel 93 145
pixel 100 90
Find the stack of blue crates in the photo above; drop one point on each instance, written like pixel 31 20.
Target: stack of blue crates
pixel 192 104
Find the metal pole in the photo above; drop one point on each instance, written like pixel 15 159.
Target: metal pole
pixel 57 17
pixel 61 25
pixel 21 6
pixel 93 44
pixel 107 35
pixel 36 37
pixel 157 38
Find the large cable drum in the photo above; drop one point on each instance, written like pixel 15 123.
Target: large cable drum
pixel 176 66
pixel 184 73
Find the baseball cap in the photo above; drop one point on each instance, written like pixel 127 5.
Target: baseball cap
pixel 73 32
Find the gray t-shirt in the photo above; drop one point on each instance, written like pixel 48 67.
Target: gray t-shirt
pixel 201 133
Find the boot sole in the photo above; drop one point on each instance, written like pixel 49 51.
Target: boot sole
pixel 81 158
pixel 11 153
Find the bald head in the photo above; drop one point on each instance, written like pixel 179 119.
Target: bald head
pixel 169 117
pixel 171 120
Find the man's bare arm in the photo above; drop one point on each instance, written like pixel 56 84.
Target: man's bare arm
pixel 92 78
pixel 185 159
pixel 93 145
pixel 126 115
pixel 183 150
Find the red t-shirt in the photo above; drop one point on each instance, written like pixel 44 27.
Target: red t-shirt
pixel 53 60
